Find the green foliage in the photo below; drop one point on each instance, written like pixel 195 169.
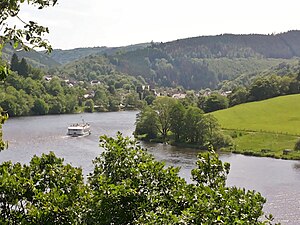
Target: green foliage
pixel 21 67
pixel 14 63
pixel 149 99
pixel 127 182
pixel 215 102
pixel 131 100
pixel 163 107
pixel 89 105
pixel 66 56
pixel 40 107
pixel 24 68
pixel 169 120
pixel 43 192
pixel 130 187
pixel 127 186
pixel 210 171
pixel 203 62
pixel 264 88
pixel 193 125
pixel 3 117
pixel 31 33
pixel 21 96
pixel 297 145
pixel 56 104
pixel 238 96
pixel 177 116
pixel 114 103
pixel 146 123
pixel 4 72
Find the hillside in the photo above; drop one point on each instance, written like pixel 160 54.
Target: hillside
pixel 205 61
pixel 193 63
pixel 283 45
pixel 36 59
pixel 66 56
pixel 89 68
pixel 156 66
pixel 277 115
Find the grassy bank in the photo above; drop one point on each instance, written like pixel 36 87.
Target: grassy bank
pixel 264 144
pixel 277 115
pixel 265 128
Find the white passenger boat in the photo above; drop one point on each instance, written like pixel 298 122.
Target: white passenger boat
pixel 79 129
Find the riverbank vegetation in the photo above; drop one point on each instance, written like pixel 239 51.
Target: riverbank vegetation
pixel 258 89
pixel 264 128
pixel 127 186
pixel 168 120
pixel 28 91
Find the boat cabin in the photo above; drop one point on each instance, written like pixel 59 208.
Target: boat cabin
pixel 77 129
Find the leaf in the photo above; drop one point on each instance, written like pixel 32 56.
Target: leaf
pixel 16 44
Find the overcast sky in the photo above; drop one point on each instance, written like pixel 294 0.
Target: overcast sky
pixel 91 23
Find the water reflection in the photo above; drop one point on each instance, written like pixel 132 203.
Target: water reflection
pixel 296 166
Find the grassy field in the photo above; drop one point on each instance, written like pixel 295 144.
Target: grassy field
pixel 264 128
pixel 278 115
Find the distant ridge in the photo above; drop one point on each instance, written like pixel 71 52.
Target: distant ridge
pixel 65 56
pixel 283 45
pixel 37 59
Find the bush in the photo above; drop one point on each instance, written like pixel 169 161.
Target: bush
pixel 297 145
pixel 220 140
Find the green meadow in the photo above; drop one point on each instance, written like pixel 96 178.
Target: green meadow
pixel 264 128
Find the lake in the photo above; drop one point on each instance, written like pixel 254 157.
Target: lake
pixel 277 180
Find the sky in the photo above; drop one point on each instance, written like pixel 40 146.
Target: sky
pixel 113 23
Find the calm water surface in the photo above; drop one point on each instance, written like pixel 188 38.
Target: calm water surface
pixel 277 180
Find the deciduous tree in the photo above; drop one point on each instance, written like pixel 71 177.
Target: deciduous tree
pixel 146 123
pixel 163 107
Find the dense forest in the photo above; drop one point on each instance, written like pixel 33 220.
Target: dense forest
pixel 202 62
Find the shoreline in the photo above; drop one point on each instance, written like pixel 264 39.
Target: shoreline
pixel 287 154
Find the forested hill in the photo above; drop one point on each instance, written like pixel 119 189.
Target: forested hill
pixel 283 45
pixel 194 63
pixel 202 62
pixel 36 59
pixel 65 56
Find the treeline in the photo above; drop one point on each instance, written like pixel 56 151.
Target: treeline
pixel 167 119
pixel 266 87
pixel 127 186
pixel 27 91
pixel 261 88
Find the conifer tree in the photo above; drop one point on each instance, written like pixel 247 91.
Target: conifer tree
pixel 23 68
pixel 14 63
